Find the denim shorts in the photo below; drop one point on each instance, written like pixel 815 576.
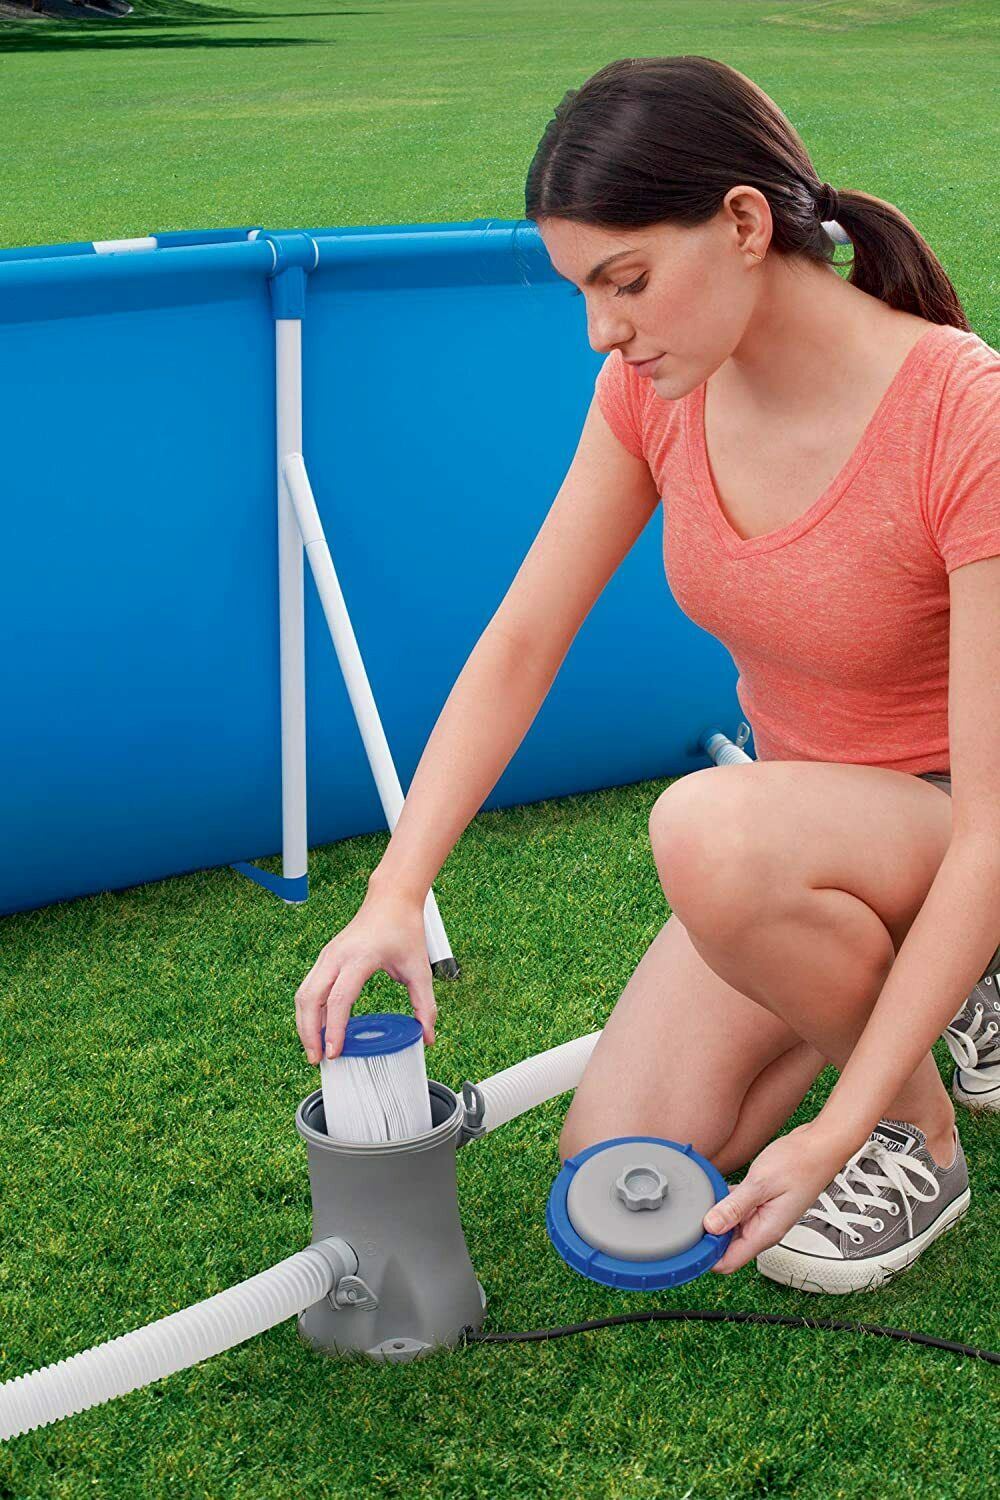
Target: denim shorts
pixel 943 780
pixel 937 778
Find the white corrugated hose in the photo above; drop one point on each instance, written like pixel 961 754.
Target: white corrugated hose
pixel 195 1333
pixel 535 1080
pixel 172 1343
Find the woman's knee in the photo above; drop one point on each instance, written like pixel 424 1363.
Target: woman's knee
pixel 573 1136
pixel 580 1131
pixel 708 851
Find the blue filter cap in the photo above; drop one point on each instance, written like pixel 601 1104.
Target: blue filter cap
pixel 376 1035
pixel 629 1213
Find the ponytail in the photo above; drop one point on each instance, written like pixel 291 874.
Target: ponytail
pixel 652 140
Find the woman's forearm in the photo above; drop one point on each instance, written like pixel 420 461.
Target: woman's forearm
pixel 942 956
pixel 486 716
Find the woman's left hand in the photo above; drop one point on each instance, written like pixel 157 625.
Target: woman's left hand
pixel 781 1182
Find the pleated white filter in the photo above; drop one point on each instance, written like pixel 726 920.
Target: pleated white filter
pixel 376 1090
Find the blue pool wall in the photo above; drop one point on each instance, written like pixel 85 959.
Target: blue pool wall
pixel 446 377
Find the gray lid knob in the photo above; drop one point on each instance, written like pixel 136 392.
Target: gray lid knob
pixel 641 1186
pixel 600 1213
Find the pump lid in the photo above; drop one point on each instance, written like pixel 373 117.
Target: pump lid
pixel 628 1212
pixel 378 1034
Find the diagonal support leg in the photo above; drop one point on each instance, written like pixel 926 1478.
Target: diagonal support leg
pixel 366 713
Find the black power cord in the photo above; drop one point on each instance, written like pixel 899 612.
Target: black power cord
pixel 688 1315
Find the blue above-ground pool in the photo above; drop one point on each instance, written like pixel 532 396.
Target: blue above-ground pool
pixel 445 377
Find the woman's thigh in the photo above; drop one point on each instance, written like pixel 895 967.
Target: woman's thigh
pixel 734 840
pixel 676 1056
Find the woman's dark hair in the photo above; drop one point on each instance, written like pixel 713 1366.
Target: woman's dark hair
pixel 652 140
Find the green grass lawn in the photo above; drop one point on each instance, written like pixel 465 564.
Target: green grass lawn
pixel 149 1065
pixel 151 1076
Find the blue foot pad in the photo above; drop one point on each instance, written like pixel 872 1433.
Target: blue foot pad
pixel 290 888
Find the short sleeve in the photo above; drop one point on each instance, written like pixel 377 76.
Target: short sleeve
pixel 963 492
pixel 618 398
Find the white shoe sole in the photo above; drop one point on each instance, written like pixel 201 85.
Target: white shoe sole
pixel 986 1101
pixel 811 1273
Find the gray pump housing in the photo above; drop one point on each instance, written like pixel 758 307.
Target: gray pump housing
pixel 404 1283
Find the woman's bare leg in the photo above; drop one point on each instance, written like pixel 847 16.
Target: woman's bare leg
pixel 769 1103
pixel 835 863
pixel 685 1056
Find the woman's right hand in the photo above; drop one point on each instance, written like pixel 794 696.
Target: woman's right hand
pixel 387 933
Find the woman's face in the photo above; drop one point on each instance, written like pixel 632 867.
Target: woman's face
pixel 683 293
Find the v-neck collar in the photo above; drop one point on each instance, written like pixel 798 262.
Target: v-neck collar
pixel 738 546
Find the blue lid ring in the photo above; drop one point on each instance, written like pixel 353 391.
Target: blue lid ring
pixel 632 1275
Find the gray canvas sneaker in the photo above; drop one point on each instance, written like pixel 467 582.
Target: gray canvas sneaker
pixel 973 1039
pixel 877 1215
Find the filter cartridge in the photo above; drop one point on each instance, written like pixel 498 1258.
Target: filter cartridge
pixel 376 1090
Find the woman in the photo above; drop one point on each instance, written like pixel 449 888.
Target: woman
pixel 826 450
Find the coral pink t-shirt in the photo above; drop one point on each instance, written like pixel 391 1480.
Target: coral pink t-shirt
pixel 838 622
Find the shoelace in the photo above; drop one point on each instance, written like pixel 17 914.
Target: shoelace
pixel 972 1046
pixel 851 1185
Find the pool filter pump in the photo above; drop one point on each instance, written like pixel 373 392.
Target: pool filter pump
pixel 387 1274
pixel 395 1203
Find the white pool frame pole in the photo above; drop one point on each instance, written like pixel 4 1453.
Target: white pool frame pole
pixel 292 886
pixel 291 605
pixel 302 503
